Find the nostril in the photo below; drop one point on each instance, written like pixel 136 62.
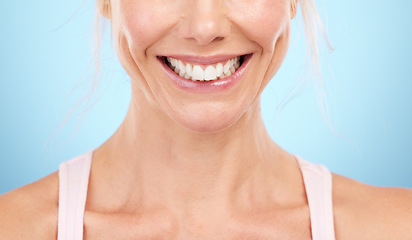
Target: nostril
pixel 218 39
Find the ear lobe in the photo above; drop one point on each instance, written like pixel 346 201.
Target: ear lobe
pixel 293 8
pixel 104 8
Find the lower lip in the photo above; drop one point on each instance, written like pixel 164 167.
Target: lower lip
pixel 207 86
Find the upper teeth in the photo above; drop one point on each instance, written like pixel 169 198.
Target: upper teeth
pixel 197 73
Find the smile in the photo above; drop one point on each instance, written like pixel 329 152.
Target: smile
pixel 205 74
pixel 211 72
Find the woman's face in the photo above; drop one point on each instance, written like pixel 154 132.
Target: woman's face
pixel 202 63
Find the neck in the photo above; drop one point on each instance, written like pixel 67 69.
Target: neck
pixel 154 159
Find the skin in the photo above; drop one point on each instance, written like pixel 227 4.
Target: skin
pixel 201 166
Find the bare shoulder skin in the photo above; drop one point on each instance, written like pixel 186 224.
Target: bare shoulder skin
pixel 361 211
pixel 367 212
pixel 30 212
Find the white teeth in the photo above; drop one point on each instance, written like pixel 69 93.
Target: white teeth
pixel 232 68
pixel 210 73
pixel 173 62
pixel 219 69
pixel 182 68
pixel 237 64
pixel 189 69
pixel 196 72
pixel 226 67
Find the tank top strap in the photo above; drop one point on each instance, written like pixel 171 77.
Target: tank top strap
pixel 73 183
pixel 318 184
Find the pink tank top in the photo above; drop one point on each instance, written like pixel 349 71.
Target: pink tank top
pixel 74 179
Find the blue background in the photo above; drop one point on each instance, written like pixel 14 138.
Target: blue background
pixel 367 79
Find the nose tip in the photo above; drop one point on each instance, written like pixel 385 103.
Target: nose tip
pixel 205 23
pixel 205 29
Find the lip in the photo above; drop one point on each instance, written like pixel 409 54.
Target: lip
pixel 206 86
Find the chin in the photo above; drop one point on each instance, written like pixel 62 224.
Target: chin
pixel 207 127
pixel 206 120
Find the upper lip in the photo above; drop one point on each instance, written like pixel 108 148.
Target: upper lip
pixel 204 60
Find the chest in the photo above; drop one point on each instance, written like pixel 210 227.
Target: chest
pixel 270 226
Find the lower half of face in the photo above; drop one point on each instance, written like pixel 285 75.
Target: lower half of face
pixel 203 72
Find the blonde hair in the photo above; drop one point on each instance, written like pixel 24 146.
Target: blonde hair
pixel 312 27
pixel 313 24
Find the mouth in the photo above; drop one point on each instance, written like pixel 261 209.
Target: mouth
pixel 205 72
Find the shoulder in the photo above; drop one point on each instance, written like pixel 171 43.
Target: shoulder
pixel 30 212
pixel 367 212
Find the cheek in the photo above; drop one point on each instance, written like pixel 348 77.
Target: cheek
pixel 143 23
pixel 264 22
pixel 267 24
